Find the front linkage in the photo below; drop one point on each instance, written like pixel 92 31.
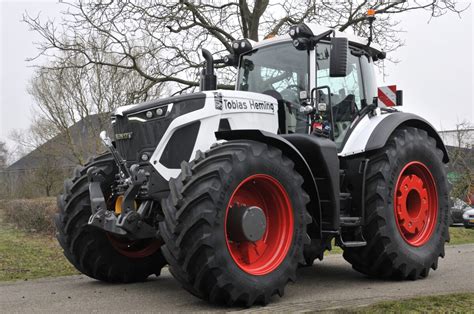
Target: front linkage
pixel 131 222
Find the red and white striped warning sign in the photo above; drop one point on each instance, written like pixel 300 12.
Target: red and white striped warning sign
pixel 388 95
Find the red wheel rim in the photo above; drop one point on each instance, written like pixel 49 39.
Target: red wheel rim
pixel 131 248
pixel 134 249
pixel 416 203
pixel 265 255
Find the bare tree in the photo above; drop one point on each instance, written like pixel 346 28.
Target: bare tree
pixel 160 40
pixel 73 105
pixel 65 95
pixel 47 177
pixel 4 179
pixel 3 155
pixel 49 159
pixel 462 160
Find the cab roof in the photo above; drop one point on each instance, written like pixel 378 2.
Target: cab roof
pixel 359 42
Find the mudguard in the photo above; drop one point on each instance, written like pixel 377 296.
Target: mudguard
pixel 381 133
pixel 313 157
pixel 372 132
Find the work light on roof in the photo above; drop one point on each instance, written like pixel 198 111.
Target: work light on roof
pixel 300 31
pixel 241 46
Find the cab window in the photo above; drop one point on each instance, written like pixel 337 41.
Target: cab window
pixel 370 81
pixel 341 87
pixel 347 92
pixel 280 71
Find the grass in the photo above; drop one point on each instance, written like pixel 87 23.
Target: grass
pixel 335 249
pixel 451 303
pixel 461 235
pixel 28 256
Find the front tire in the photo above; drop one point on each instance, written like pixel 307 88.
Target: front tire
pixel 94 252
pixel 205 254
pixel 407 209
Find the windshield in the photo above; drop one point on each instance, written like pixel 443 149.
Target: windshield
pixel 277 67
pixel 281 71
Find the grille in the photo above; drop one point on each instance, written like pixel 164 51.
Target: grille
pixel 137 135
pixel 142 136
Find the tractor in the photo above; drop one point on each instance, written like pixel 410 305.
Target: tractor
pixel 235 190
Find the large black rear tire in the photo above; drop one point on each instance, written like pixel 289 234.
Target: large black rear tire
pixel 199 247
pixel 404 237
pixel 94 252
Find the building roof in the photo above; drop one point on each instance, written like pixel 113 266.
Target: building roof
pixel 456 138
pixel 82 134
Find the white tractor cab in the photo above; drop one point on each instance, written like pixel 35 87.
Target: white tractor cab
pixel 237 189
pixel 304 78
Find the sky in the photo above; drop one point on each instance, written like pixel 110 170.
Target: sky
pixel 435 69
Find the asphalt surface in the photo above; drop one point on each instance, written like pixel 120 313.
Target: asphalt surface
pixel 327 285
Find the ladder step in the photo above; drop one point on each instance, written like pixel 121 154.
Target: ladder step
pixel 330 232
pixel 350 221
pixel 355 244
pixel 356 237
pixel 344 195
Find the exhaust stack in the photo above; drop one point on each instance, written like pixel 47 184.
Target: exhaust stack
pixel 208 78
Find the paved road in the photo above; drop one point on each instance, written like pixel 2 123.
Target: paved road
pixel 328 284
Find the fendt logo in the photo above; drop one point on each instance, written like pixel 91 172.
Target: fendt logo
pixel 123 136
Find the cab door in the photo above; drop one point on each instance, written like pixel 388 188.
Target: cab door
pixel 347 94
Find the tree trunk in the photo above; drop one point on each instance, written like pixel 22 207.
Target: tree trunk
pixel 251 20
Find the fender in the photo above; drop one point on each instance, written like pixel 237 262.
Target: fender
pixel 289 150
pixel 321 155
pixel 387 126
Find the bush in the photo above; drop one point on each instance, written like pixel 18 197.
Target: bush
pixel 32 215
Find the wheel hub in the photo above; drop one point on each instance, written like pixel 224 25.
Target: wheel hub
pixel 259 224
pixel 246 223
pixel 416 203
pixel 412 204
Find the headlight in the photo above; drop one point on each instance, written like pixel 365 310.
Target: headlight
pixel 158 112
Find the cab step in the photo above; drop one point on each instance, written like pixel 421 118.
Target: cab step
pixel 351 221
pixel 353 244
pixel 356 237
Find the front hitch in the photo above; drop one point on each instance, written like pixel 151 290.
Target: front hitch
pixel 101 217
pixel 130 223
pixel 132 220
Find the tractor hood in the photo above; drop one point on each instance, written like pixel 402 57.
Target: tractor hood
pixel 194 99
pixel 225 100
pixel 170 130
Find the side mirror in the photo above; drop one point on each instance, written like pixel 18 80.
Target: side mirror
pixel 339 57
